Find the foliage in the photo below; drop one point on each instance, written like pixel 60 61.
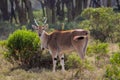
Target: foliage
pixel 3 43
pixel 66 26
pixel 113 70
pixel 38 16
pixel 71 25
pixel 73 61
pixel 37 13
pixel 85 24
pixel 6 28
pixel 115 59
pixel 119 45
pixel 103 23
pixel 98 48
pixel 22 45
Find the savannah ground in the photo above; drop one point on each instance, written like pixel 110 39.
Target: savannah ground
pixel 9 71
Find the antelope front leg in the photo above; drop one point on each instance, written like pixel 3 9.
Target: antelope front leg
pixel 54 57
pixel 62 62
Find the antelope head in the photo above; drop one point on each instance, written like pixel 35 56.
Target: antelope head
pixel 42 34
pixel 40 29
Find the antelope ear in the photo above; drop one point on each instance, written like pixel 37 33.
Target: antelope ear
pixel 46 26
pixel 34 27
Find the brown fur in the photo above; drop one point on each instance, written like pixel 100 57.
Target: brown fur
pixel 63 41
pixel 59 42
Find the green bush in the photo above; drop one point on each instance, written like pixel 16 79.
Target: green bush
pixel 6 28
pixel 22 46
pixel 98 48
pixel 85 24
pixel 3 43
pixel 73 61
pixel 115 59
pixel 70 25
pixel 119 45
pixel 103 23
pixel 99 51
pixel 112 72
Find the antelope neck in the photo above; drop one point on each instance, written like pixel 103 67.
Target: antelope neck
pixel 45 36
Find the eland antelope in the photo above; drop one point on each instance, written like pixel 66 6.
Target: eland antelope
pixel 59 42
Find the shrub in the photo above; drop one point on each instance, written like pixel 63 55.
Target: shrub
pixel 103 23
pixel 89 51
pixel 98 48
pixel 70 25
pixel 73 61
pixel 6 28
pixel 85 24
pixel 21 46
pixel 3 43
pixel 119 45
pixel 115 59
pixel 113 70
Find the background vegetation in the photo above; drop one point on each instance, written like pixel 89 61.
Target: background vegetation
pixel 21 57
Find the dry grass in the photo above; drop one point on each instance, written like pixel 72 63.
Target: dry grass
pixel 11 72
pixel 37 74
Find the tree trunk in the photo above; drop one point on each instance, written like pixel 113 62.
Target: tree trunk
pixel 69 10
pixel 78 7
pixel 43 6
pixel 4 10
pixel 22 16
pixel 108 3
pixel 53 8
pixel 50 10
pixel 118 4
pixel 29 10
pixel 88 3
pixel 60 10
pixel 48 14
pixel 53 15
pixel 12 13
pixel 85 2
